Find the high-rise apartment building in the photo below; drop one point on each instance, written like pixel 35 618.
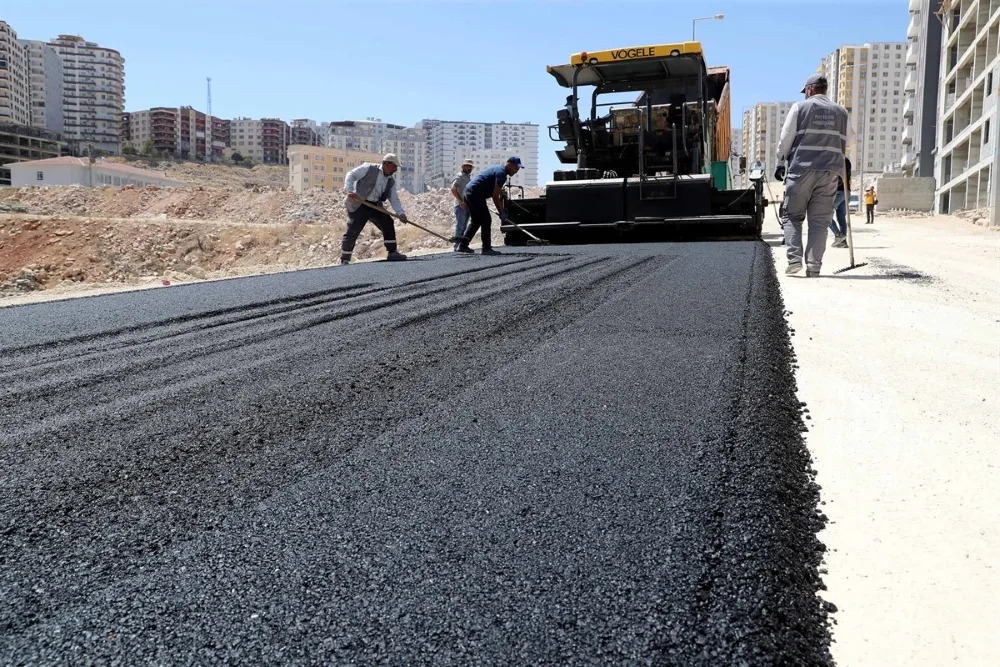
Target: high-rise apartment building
pixel 966 164
pixel 735 152
pixel 46 85
pixel 374 135
pixel 15 88
pixel 179 131
pixel 761 132
pixel 450 142
pixel 410 145
pixel 868 81
pixel 358 135
pixel 264 140
pixel 920 88
pixel 318 167
pixel 305 132
pixel 93 93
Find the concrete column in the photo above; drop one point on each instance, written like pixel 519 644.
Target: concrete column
pixel 995 171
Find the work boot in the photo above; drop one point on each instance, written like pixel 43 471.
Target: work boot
pixel 490 251
pixel 395 256
pixel 793 268
pixel 464 248
pixel 344 261
pixel 812 273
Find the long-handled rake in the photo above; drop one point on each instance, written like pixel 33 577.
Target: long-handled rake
pixel 532 239
pixel 850 237
pixel 453 239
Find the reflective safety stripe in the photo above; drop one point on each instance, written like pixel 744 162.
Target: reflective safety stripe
pixel 347 252
pixel 813 131
pixel 819 148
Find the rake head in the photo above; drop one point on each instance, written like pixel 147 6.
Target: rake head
pixel 852 266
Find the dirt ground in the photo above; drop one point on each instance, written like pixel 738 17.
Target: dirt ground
pixel 65 240
pixel 213 175
pixel 900 369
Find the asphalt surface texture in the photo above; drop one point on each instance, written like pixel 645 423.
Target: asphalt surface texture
pixel 565 455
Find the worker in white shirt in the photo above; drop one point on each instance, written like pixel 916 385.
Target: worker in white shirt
pixel 372 183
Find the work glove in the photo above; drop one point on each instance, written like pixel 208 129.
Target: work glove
pixel 779 173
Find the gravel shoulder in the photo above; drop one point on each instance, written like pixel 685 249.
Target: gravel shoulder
pixel 899 363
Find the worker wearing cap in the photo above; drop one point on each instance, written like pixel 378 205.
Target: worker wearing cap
pixel 372 183
pixel 458 192
pixel 487 184
pixel 814 143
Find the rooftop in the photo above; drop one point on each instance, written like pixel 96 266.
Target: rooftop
pixel 71 161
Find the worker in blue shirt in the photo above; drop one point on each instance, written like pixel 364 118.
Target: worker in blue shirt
pixel 486 184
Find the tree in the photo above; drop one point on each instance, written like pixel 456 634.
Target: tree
pixel 147 147
pixel 237 157
pixel 129 149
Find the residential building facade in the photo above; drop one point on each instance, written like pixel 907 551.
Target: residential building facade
pixel 46 85
pixel 21 143
pixel 68 170
pixel 450 142
pixel 322 168
pixel 305 132
pixel 868 80
pixel 735 152
pixel 358 135
pixel 920 88
pixel 15 89
pixel 180 131
pixel 93 93
pixel 761 132
pixel 410 145
pixel 263 140
pixel 966 163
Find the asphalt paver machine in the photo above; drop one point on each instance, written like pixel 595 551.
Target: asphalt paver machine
pixel 652 164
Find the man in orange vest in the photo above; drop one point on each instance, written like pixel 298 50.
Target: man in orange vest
pixel 870 200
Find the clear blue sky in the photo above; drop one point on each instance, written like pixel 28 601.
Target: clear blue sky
pixel 404 60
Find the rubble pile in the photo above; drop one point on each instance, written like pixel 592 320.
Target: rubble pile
pixel 977 216
pixel 211 175
pixel 258 205
pixel 77 235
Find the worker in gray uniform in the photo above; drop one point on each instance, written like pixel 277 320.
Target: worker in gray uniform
pixel 458 192
pixel 814 144
pixel 372 183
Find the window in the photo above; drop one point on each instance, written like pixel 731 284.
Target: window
pixel 39 175
pixel 989 83
pixel 986 132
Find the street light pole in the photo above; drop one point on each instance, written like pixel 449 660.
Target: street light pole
pixel 717 17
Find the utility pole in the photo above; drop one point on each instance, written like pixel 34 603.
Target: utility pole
pixel 209 133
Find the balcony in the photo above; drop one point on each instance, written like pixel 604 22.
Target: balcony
pixel 908 160
pixel 909 106
pixel 913 29
pixel 910 84
pixel 912 53
pixel 914 5
pixel 908 135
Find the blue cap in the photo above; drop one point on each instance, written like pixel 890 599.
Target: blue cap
pixel 516 160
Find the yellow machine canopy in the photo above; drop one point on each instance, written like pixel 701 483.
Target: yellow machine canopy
pixel 631 68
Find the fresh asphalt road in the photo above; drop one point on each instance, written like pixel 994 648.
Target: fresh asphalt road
pixel 576 455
